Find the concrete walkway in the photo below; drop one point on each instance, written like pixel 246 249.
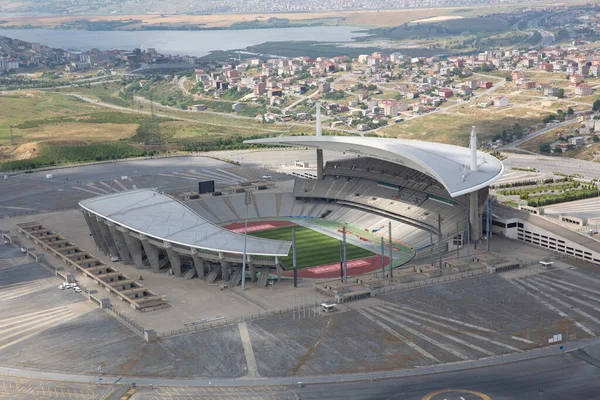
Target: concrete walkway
pixel 248 350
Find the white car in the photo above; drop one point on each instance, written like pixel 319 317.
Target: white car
pixel 68 286
pixel 77 289
pixel 61 286
pixel 23 250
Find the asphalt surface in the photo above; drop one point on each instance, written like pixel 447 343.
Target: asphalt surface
pixel 562 376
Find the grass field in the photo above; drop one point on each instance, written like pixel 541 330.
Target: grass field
pixel 312 248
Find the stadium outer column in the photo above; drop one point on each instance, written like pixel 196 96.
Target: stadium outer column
pixel 198 264
pixel 151 253
pixel 174 259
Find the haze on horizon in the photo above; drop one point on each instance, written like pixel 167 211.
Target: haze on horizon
pixel 118 7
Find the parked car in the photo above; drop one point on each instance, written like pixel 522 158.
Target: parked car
pixel 61 286
pixel 77 289
pixel 68 286
pixel 115 259
pixel 23 250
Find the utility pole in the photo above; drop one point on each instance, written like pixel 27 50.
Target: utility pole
pixel 345 260
pixel 457 242
pixel 391 258
pixel 431 247
pixel 12 139
pixel 293 254
pixel 440 240
pixel 247 201
pixel 341 262
pixel 382 258
pixel 488 221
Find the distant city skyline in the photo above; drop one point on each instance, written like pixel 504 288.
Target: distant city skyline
pixel 102 7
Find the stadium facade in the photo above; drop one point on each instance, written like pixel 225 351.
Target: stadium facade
pixel 426 189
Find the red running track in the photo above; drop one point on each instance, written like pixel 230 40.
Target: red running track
pixel 256 226
pixel 355 267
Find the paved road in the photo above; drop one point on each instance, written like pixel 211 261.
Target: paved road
pixel 545 164
pixel 567 376
pixel 537 133
pixel 547 36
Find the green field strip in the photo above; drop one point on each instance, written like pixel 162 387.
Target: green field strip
pixel 313 248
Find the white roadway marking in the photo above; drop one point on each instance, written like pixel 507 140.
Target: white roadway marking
pixel 419 334
pixel 86 190
pixel 450 320
pixel 399 336
pixel 473 335
pixel 92 185
pixel 551 307
pixel 116 181
pixel 232 174
pixel 438 332
pixel 248 351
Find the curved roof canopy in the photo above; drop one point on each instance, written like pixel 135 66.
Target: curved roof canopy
pixel 161 217
pixel 446 163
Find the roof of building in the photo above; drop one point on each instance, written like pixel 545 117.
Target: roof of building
pixel 161 217
pixel 446 163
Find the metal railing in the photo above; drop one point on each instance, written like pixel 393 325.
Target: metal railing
pixel 430 281
pixel 236 320
pixel 124 319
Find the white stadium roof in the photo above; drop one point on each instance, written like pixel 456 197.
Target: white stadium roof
pixel 446 163
pixel 161 217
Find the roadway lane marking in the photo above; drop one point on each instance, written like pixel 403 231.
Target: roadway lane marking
pixel 535 286
pixel 248 350
pixel 22 316
pixel 438 332
pixel 479 328
pixel 109 187
pixel 232 174
pixel 557 282
pixel 37 330
pixel 473 335
pixel 92 185
pixel 422 336
pixel 118 183
pixel 31 320
pixel 585 303
pixel 551 307
pixel 88 191
pixel 399 336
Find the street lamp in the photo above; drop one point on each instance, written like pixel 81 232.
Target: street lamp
pixel 232 354
pixel 247 201
pixel 541 394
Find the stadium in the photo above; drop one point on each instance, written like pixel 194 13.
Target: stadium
pixel 392 200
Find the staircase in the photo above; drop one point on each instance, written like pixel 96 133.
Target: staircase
pixel 236 278
pixel 190 273
pixel 213 275
pixel 263 277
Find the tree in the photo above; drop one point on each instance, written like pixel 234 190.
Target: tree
pixel 570 111
pixel 557 150
pixel 561 93
pixel 596 106
pixel 545 148
pixel 596 139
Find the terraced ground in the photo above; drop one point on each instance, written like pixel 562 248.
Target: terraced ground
pixel 312 248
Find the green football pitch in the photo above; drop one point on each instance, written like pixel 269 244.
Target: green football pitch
pixel 312 248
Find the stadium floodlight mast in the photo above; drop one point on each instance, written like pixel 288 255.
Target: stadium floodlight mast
pixel 247 202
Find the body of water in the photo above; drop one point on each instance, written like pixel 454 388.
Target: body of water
pixel 193 43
